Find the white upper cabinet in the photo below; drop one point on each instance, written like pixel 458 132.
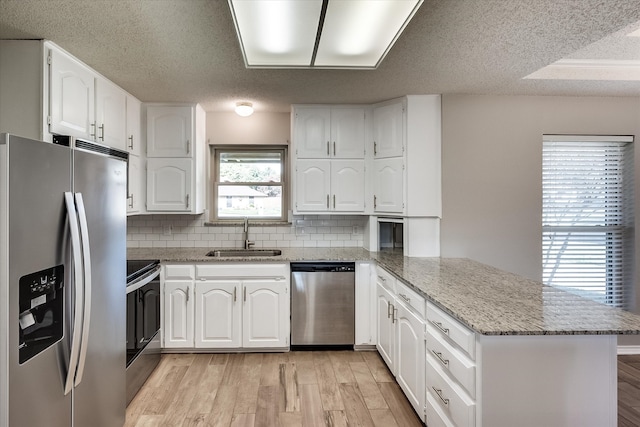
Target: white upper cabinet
pixel 408 129
pixel 347 185
pixel 170 131
pixel 176 158
pixel 388 130
pixel 72 96
pixel 169 185
pixel 111 114
pixel 322 132
pixel 134 120
pixel 313 185
pixel 388 183
pixel 347 132
pixel 135 197
pixel 312 132
pixel 329 186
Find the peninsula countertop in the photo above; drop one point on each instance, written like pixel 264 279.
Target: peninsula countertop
pixel 488 300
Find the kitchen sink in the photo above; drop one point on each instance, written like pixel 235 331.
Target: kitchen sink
pixel 220 253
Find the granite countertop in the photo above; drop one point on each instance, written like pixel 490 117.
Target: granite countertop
pixel 488 300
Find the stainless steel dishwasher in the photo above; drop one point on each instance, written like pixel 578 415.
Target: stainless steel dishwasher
pixel 323 304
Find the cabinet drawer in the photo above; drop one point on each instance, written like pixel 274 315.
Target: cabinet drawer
pixel 241 270
pixel 435 415
pixel 178 272
pixel 450 397
pixel 452 329
pixel 411 297
pixel 386 279
pixel 452 360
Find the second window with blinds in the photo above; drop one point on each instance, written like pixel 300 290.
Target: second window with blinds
pixel 587 216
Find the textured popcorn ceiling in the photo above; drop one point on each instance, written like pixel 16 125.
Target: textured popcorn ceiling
pixel 187 50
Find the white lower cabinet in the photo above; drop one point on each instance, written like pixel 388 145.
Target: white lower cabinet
pixel 401 336
pixel 178 313
pixel 227 306
pixel 265 314
pixel 410 356
pixel 218 317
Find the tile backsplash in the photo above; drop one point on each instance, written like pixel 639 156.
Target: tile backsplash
pixel 175 231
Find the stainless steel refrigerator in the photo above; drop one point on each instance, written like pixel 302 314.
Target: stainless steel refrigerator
pixel 62 283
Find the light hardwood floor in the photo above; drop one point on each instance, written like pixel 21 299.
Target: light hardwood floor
pixel 337 388
pixel 629 391
pixel 323 388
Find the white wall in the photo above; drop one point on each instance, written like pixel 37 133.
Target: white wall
pixel 259 128
pixel 491 170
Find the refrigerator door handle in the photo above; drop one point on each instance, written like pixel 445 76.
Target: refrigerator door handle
pixel 86 258
pixel 79 291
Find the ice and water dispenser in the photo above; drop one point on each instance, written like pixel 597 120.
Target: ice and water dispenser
pixel 41 300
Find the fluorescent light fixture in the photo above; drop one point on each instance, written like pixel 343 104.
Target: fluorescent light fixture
pixel 589 69
pixel 319 33
pixel 244 109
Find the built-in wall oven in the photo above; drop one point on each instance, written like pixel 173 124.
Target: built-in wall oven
pixel 143 322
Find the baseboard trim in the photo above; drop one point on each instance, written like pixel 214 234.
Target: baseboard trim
pixel 628 349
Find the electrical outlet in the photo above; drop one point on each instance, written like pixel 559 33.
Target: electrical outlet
pixel 355 230
pixel 166 230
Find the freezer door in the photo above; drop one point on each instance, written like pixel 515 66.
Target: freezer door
pixel 99 398
pixel 38 175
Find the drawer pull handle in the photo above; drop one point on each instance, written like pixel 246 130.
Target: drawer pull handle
pixel 439 393
pixel 438 356
pixel 382 278
pixel 439 326
pixel 404 297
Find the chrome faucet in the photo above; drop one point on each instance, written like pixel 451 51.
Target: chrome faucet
pixel 247 242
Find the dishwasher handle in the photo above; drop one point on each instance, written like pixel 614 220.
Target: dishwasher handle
pixel 338 267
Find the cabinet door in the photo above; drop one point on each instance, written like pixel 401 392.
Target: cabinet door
pixel 111 114
pixel 169 184
pixel 134 142
pixel 388 129
pixel 347 185
pixel 218 314
pixel 312 132
pixel 347 133
pixel 178 314
pixel 72 97
pixel 386 325
pixel 313 185
pixel 411 356
pixel 134 184
pixel 365 323
pixel 388 185
pixel 265 316
pixel 169 131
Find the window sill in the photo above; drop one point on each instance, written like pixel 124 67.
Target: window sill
pixel 257 222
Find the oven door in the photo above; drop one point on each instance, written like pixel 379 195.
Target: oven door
pixel 148 313
pixel 143 312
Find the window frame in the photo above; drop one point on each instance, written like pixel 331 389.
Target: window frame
pixel 215 180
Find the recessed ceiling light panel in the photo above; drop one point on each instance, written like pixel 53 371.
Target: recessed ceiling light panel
pixel 276 32
pixel 319 33
pixel 358 33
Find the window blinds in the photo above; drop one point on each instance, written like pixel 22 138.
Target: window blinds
pixel 587 215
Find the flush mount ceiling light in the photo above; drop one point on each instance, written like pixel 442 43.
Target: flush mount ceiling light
pixel 319 33
pixel 244 109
